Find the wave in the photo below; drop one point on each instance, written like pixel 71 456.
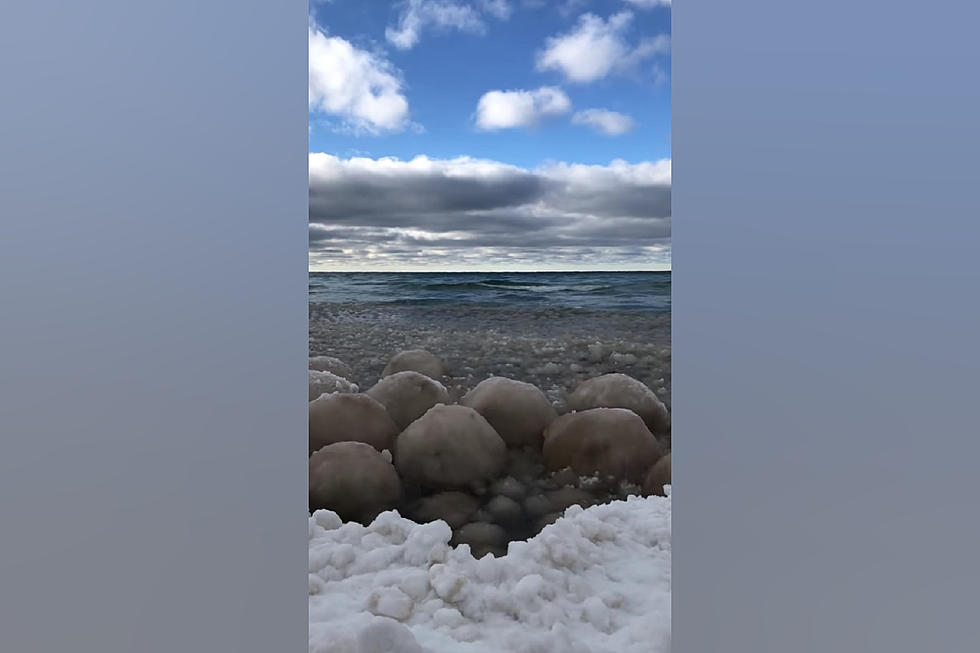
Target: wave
pixel 594 291
pixel 482 284
pixel 506 283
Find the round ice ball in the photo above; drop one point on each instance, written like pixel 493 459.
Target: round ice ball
pixel 454 508
pixel 622 391
pixel 324 382
pixel 449 447
pixel 518 411
pixel 332 365
pixel 415 360
pixel 609 441
pixel 407 395
pixel 569 496
pixel 340 417
pixel 508 487
pixel 537 505
pixel 504 509
pixel 480 533
pixel 354 480
pixel 658 477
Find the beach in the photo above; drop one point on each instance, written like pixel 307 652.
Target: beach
pixel 552 330
pixel 509 487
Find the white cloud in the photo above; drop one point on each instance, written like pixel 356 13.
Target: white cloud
pixel 647 48
pixel 591 178
pixel 418 15
pixel 607 122
pixel 498 8
pixel 361 88
pixel 569 7
pixel 649 4
pixel 594 48
pixel 588 52
pixel 509 109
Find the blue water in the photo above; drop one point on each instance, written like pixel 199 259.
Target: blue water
pixel 600 291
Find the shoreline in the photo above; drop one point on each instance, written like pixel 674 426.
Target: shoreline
pixel 475 568
pixel 553 348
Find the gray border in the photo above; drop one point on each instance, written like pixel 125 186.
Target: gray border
pixel 153 326
pixel 153 284
pixel 825 321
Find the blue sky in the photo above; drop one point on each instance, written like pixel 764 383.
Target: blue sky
pixel 490 134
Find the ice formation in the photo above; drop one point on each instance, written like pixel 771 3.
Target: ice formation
pixel 622 391
pixel 340 417
pixel 518 411
pixel 610 441
pixel 326 382
pixel 355 479
pixel 454 508
pixel 449 447
pixel 595 581
pixel 407 395
pixel 332 365
pixel 415 360
pixel 658 477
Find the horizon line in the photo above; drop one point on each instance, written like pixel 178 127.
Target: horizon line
pixel 480 271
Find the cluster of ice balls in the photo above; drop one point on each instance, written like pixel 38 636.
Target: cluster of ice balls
pixel 403 438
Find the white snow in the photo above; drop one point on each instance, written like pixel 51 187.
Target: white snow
pixel 595 581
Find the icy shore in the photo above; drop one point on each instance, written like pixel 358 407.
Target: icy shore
pixel 595 581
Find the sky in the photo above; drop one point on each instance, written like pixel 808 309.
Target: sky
pixel 509 135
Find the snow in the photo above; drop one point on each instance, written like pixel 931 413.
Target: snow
pixel 595 581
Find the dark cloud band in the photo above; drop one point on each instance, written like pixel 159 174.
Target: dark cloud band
pixel 400 212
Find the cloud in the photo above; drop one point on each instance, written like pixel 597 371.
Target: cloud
pixel 588 52
pixel 500 9
pixel 509 109
pixel 604 121
pixel 418 15
pixel 649 4
pixel 474 212
pixel 381 191
pixel 595 48
pixel 569 7
pixel 648 47
pixel 360 88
